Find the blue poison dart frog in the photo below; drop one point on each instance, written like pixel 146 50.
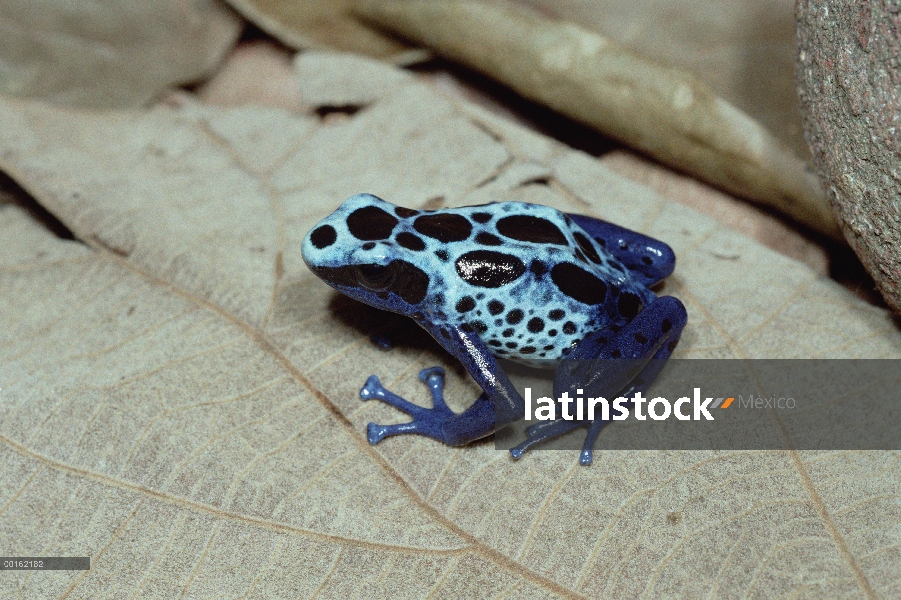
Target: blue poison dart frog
pixel 509 280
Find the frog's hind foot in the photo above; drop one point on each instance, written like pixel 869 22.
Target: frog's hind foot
pixel 426 421
pixel 550 429
pixel 544 431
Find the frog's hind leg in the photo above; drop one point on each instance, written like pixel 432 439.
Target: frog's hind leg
pixel 612 364
pixel 641 382
pixel 649 259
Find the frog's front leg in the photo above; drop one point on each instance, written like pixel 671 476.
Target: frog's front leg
pixel 637 353
pixel 499 405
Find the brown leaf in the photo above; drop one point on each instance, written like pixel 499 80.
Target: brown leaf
pixel 323 24
pixel 661 111
pixel 255 73
pixel 764 226
pixel 740 216
pixel 112 54
pixel 179 399
pixel 743 49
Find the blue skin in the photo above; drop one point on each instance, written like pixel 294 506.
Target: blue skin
pixel 508 280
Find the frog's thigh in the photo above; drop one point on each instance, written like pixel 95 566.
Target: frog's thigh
pixel 652 334
pixel 649 257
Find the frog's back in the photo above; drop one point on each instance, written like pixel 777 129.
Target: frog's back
pixel 524 276
pixel 532 283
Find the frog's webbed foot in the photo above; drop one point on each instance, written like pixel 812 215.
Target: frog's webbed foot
pixel 438 422
pixel 550 429
pixel 426 421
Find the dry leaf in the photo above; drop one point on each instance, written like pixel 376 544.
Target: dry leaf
pixel 261 73
pixel 727 210
pixel 764 226
pixel 661 111
pixel 743 49
pixel 179 400
pixel 110 54
pixel 323 24
pixel 255 73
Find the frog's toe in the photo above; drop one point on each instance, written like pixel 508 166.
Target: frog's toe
pixel 433 377
pixel 544 431
pixel 587 454
pixel 375 432
pixel 382 340
pixel 374 390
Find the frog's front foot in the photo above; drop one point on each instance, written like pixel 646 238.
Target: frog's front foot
pixel 550 429
pixel 438 422
pixel 426 421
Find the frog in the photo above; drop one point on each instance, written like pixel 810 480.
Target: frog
pixel 505 280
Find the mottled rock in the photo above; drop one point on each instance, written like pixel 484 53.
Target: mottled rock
pixel 850 86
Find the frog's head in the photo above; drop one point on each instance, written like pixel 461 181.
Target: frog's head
pixel 355 250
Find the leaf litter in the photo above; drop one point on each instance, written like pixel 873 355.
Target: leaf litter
pixel 192 398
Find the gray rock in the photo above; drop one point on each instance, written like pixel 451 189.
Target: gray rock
pixel 850 87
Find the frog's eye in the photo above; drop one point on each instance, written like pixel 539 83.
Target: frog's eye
pixel 374 277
